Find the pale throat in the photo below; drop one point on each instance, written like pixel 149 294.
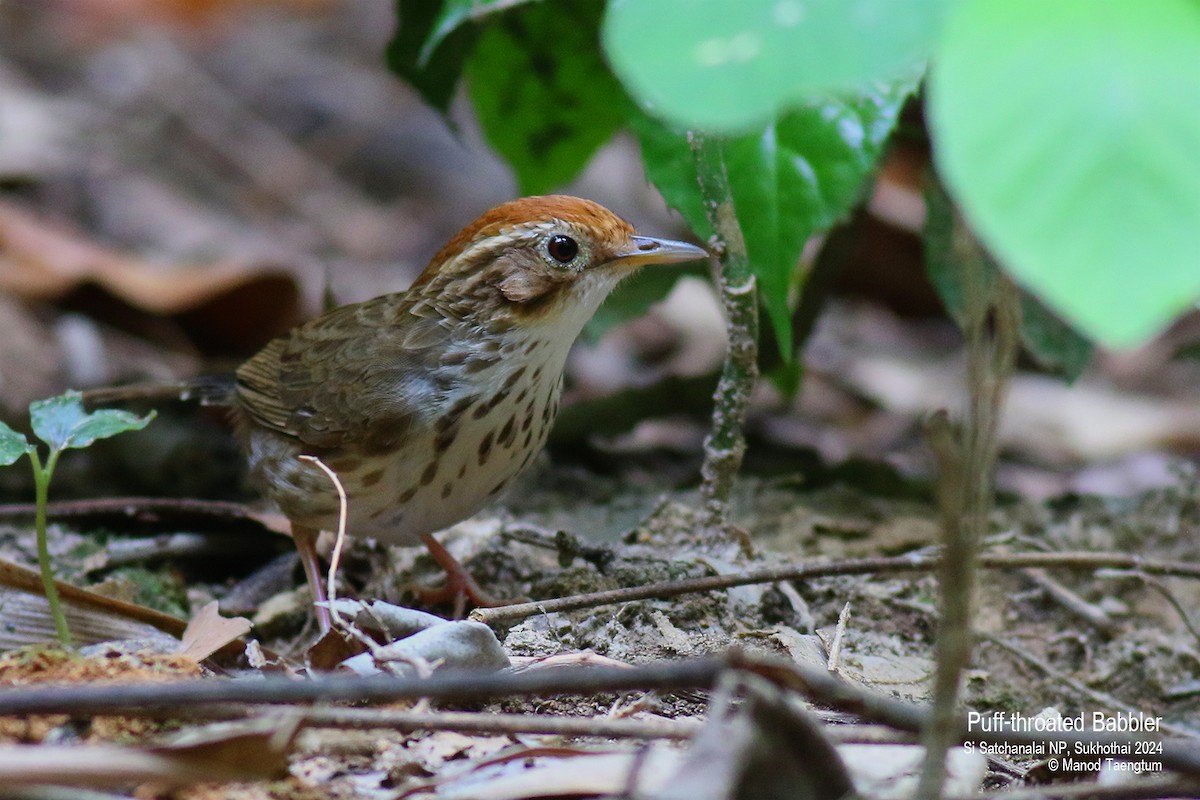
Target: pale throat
pixel 545 343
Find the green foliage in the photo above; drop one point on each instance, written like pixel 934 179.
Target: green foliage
pixel 729 65
pixel 547 100
pixel 12 445
pixel 427 51
pixel 790 179
pixel 61 423
pixel 1068 131
pixel 1054 344
pixel 543 95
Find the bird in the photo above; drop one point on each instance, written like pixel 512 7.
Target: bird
pixel 428 403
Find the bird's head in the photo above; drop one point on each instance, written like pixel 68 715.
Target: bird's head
pixel 541 259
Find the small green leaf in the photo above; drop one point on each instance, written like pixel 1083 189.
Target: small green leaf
pixel 544 96
pixel 12 445
pixel 428 51
pixel 62 423
pixel 1068 133
pixel 791 179
pixel 726 65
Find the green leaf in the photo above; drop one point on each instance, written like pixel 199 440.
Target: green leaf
pixel 671 167
pixel 791 179
pixel 455 14
pixel 726 65
pixel 62 423
pixel 1068 133
pixel 544 96
pixel 428 51
pixel 1052 343
pixel 12 445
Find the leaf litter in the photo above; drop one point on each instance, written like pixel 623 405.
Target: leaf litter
pixel 1146 662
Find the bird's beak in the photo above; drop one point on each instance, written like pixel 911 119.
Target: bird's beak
pixel 649 250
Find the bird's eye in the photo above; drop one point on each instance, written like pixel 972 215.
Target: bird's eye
pixel 562 249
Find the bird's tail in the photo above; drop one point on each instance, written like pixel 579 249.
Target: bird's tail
pixel 208 390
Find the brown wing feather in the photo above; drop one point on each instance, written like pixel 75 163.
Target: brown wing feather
pixel 362 374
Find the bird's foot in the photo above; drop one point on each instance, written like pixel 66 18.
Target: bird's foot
pixel 459 587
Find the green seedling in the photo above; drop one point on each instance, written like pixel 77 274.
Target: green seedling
pixel 62 424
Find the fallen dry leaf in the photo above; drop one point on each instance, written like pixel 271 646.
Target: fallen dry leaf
pixel 224 752
pixel 208 632
pixel 226 306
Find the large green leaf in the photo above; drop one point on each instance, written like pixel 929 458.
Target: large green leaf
pixel 790 179
pixel 1069 133
pixel 429 48
pixel 12 445
pixel 61 422
pixel 544 96
pixel 726 65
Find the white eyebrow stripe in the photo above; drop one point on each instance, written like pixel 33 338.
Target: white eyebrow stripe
pixel 506 237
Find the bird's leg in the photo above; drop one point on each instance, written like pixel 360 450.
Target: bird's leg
pixel 460 586
pixel 306 545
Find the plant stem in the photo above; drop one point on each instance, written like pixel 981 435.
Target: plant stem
pixel 725 445
pixel 965 487
pixel 41 479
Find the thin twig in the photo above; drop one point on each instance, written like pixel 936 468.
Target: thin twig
pixel 131 507
pixel 725 445
pixel 474 722
pixel 1100 698
pixel 821 687
pixel 161 699
pixel 1088 612
pixel 152 699
pixel 1072 560
pixel 1165 591
pixel 835 649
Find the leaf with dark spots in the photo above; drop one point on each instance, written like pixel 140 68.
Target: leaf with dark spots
pixel 548 137
pixel 433 72
pixel 544 95
pixel 541 66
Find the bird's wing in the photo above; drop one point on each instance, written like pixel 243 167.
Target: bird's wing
pixel 362 374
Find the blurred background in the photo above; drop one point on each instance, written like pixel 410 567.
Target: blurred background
pixel 180 181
